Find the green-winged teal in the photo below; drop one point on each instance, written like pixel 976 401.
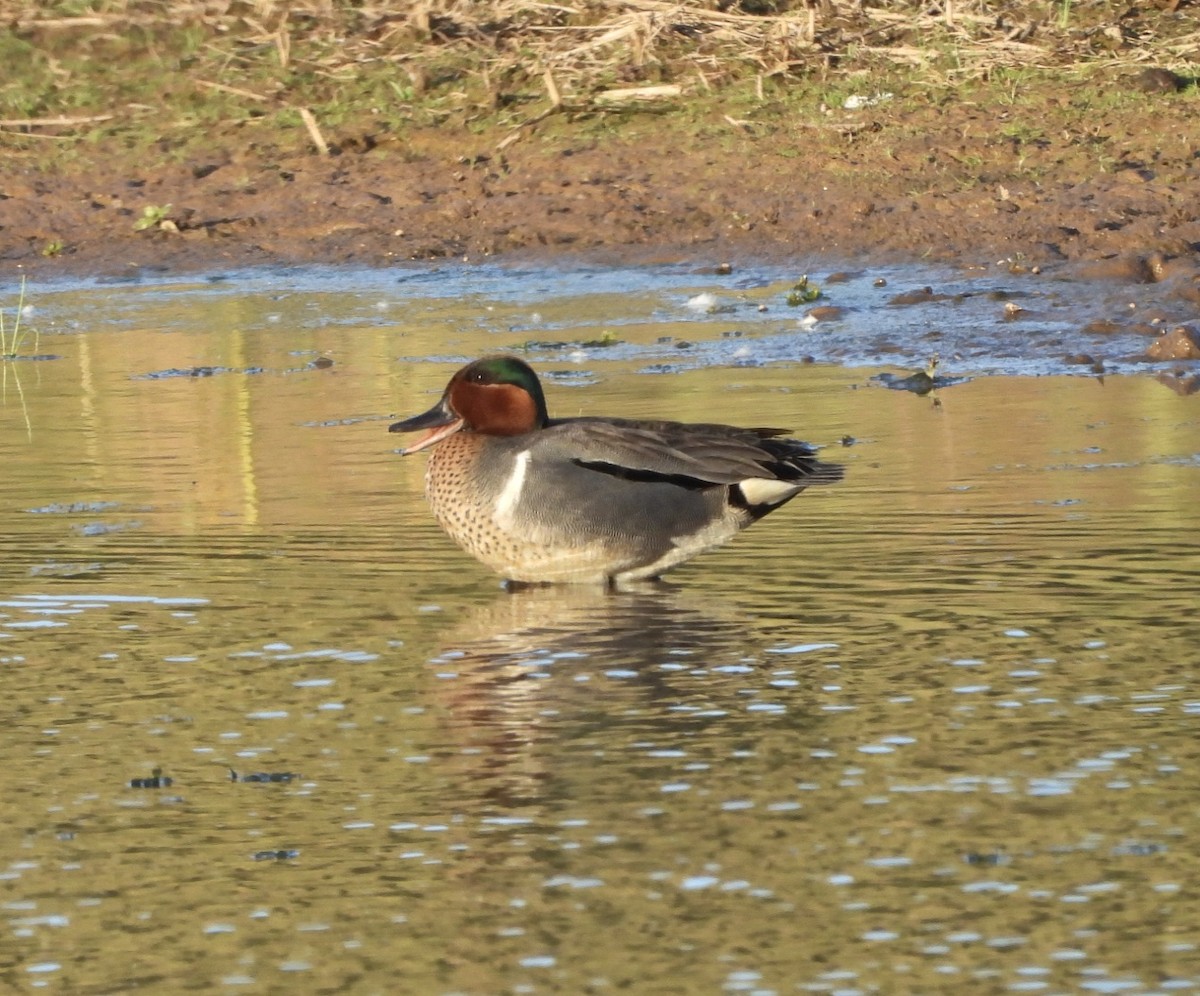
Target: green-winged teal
pixel 592 499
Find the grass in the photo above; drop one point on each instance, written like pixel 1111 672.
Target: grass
pixel 11 339
pixel 153 215
pixel 173 77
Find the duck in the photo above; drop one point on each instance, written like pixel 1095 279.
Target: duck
pixel 592 499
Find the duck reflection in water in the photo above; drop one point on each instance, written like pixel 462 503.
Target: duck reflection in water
pixel 537 680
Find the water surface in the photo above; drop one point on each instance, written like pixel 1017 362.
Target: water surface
pixel 931 730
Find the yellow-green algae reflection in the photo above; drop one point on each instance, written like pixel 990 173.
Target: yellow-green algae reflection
pixel 933 730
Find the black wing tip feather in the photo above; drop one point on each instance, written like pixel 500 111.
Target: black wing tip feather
pixel 825 473
pixel 794 460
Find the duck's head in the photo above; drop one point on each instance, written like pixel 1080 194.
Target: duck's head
pixel 496 396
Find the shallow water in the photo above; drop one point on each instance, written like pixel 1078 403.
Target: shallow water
pixel 931 730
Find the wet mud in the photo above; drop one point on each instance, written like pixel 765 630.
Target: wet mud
pixel 953 183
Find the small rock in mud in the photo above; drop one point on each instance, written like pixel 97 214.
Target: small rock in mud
pixel 1148 269
pixel 1156 316
pixel 1102 326
pixel 1079 360
pixel 825 313
pixel 1188 290
pixel 1154 267
pixel 921 296
pixel 1181 343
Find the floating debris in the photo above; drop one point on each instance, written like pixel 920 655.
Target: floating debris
pixel 283 854
pixel 263 776
pixel 156 780
pixel 348 420
pixel 534 345
pixel 922 382
pixel 1138 849
pixel 103 528
pixel 196 372
pixel 989 859
pixel 54 568
pixel 72 507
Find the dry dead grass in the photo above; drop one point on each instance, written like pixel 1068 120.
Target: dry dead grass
pixel 593 53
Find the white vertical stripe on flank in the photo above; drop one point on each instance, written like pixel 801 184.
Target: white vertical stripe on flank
pixel 506 503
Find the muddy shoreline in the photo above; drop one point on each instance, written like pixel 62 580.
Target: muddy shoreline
pixel 435 197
